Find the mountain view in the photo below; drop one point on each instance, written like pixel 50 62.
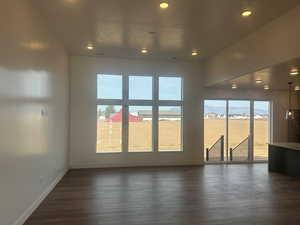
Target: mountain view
pixel 233 110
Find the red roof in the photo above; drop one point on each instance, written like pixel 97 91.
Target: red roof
pixel 117 117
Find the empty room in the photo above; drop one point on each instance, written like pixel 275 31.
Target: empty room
pixel 149 112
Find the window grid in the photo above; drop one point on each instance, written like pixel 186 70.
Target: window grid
pixel 125 102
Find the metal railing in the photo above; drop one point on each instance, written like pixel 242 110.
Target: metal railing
pixel 212 152
pixel 240 151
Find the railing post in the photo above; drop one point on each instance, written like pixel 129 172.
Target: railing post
pixel 207 154
pixel 222 148
pixel 231 154
pixel 249 148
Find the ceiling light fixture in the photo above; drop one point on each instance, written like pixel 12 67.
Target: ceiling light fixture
pixel 246 13
pixel 144 51
pixel 258 81
pixel 234 86
pixel 290 113
pixel 294 72
pixel 266 87
pixel 194 53
pixel 164 5
pixel 90 47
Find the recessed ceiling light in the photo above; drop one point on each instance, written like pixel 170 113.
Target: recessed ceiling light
pixel 194 53
pixel 258 81
pixel 90 47
pixel 144 51
pixel 294 72
pixel 164 5
pixel 297 88
pixel 246 13
pixel 266 87
pixel 71 1
pixel 234 86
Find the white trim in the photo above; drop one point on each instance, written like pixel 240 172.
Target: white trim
pixel 28 212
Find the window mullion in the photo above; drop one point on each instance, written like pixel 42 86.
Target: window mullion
pixel 227 130
pixel 109 102
pixel 155 114
pixel 125 125
pixel 251 150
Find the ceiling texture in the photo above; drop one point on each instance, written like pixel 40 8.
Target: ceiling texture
pixel 121 28
pixel 276 77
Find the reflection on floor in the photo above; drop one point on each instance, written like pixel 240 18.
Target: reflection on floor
pixel 211 195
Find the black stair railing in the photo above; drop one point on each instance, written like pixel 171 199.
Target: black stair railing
pixel 241 150
pixel 213 150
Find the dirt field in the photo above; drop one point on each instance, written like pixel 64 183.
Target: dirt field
pixel 140 135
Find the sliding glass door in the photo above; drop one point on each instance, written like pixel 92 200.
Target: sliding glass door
pixel 236 130
pixel 239 130
pixel 215 129
pixel 261 129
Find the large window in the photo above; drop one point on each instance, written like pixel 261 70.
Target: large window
pixel 139 113
pixel 261 129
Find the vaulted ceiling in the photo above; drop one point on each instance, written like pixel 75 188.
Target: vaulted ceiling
pixel 121 28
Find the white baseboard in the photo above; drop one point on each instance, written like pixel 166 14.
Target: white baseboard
pixel 27 213
pixel 128 165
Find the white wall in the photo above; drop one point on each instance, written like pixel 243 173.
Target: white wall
pixel 33 78
pixel 84 117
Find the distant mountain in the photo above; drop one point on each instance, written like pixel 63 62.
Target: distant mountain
pixel 233 110
pixel 214 109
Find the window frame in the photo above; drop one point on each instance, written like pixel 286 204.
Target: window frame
pixel 125 102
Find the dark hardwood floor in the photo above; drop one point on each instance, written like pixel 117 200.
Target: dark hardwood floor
pixel 211 195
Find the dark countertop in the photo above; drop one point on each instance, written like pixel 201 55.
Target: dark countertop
pixel 288 145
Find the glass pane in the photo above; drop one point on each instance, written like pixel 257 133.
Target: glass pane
pixel 170 88
pixel 140 128
pixel 169 128
pixel 261 129
pixel 109 128
pixel 109 86
pixel 239 129
pixel 140 87
pixel 214 129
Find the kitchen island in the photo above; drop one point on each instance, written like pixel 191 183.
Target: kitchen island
pixel 284 157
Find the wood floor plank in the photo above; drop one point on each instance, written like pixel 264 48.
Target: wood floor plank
pixel 211 195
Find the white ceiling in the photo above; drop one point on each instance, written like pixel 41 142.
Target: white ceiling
pixel 277 77
pixel 120 28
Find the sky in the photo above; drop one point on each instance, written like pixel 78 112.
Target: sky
pixel 140 87
pixel 244 106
